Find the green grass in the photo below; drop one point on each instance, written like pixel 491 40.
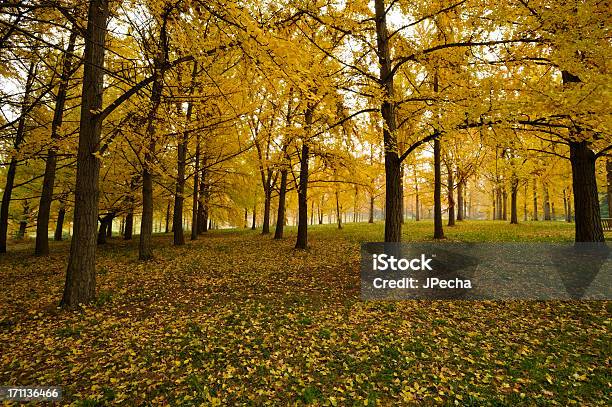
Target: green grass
pixel 237 318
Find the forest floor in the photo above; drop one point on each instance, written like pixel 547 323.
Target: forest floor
pixel 237 318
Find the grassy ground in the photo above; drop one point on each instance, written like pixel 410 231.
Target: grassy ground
pixel 240 319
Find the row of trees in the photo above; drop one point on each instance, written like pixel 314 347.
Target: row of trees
pixel 214 109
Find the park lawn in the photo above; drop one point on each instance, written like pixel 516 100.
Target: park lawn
pixel 237 318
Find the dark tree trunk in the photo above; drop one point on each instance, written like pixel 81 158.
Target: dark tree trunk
pixel 145 248
pixel 195 197
pixel 129 225
pixel 565 202
pixel 203 197
pixel 514 185
pixel 460 204
pixel 246 218
pixel 312 212
pixel 302 233
pixel 450 197
pixel 80 284
pixel 494 205
pixel 23 223
pixel 504 203
pixel 438 228
pixel 402 209
pixel 280 218
pixel 109 227
pixel 22 229
pixel 569 207
pixel 371 217
pixel 12 169
pixel 525 217
pixel 535 199
pixel 338 214
pixel 586 202
pixel 546 203
pixel 393 204
pixel 417 204
pixel 44 208
pixel 105 225
pixel 59 226
pixel 265 230
pixel 609 185
pixel 254 224
pixel 177 220
pixel 181 163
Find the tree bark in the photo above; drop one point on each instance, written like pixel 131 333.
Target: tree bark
pixel 546 203
pixel 451 199
pixel 254 224
pixel 393 205
pixel 59 226
pixel 80 284
pixel 504 202
pixel 129 225
pixel 109 226
pixel 438 228
pixel 460 203
pixel 194 198
pixel 535 199
pixel 514 185
pixel 23 223
pixel 338 214
pixel 280 218
pixel 609 185
pixel 44 207
pixel 12 169
pixel 302 233
pixel 525 217
pixel 267 202
pixel 586 202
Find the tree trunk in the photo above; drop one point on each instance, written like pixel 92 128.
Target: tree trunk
pixel 609 185
pixel 254 224
pixel 44 207
pixel 514 185
pixel 535 199
pixel 302 233
pixel 569 206
pixel 565 202
pixel 393 205
pixel 12 169
pixel 128 229
pixel 438 228
pixel 525 217
pixel 59 226
pixel 145 249
pixel 23 223
pixel 417 204
pixel 109 227
pixel 586 202
pixel 280 218
pixel 105 225
pixel 338 214
pixel 546 203
pixel 451 199
pixel 401 192
pixel 371 217
pixel 80 284
pixel 504 202
pixel 460 204
pixel 194 198
pixel 177 219
pixel 265 230
pixel 202 215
